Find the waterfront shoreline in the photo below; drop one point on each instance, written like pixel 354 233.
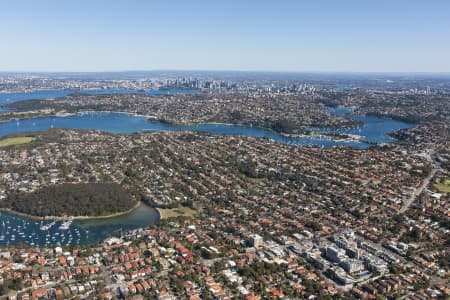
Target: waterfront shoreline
pixel 147 124
pixel 64 218
pixel 150 119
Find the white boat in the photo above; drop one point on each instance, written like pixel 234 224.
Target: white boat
pixel 65 225
pixel 48 226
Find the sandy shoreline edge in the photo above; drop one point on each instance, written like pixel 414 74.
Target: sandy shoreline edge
pixel 57 218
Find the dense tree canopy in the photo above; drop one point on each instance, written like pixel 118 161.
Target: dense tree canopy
pixel 90 199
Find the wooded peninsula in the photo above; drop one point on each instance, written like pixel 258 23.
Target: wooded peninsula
pixel 87 199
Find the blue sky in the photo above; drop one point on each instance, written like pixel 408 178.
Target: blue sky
pixel 278 35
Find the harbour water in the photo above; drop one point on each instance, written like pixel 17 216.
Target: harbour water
pixel 14 229
pixel 373 130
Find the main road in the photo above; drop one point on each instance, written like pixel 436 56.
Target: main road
pixel 419 190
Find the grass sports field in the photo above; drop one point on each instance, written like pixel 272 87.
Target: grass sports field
pixel 443 187
pixel 15 141
pixel 175 212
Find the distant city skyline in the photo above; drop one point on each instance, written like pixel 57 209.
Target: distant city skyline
pixel 275 36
